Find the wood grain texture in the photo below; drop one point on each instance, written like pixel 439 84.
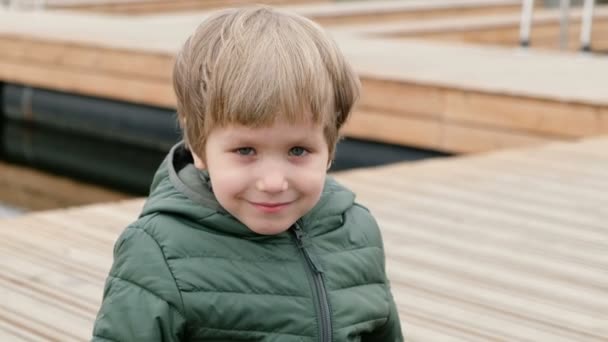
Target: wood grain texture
pixel 508 245
pixel 36 190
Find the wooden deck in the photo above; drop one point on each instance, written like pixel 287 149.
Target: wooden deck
pixel 508 246
pixel 479 99
pixel 499 29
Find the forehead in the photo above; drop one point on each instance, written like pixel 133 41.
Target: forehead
pixel 277 131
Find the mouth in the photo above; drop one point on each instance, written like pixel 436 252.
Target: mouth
pixel 270 207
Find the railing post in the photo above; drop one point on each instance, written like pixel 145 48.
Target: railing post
pixel 526 22
pixel 586 25
pixel 564 31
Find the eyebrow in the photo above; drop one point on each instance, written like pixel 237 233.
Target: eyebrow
pixel 239 139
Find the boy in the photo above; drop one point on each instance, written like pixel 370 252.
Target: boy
pixel 243 237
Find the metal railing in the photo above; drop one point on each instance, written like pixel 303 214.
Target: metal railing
pixel 586 24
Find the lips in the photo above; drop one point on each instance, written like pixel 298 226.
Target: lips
pixel 270 207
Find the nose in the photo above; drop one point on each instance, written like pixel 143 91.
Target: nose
pixel 272 182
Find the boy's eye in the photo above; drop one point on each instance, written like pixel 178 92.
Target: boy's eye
pixel 245 151
pixel 297 151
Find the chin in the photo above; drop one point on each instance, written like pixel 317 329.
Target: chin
pixel 269 230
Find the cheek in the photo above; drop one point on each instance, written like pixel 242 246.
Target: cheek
pixel 227 184
pixel 312 182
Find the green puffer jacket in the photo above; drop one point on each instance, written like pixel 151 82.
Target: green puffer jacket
pixel 188 271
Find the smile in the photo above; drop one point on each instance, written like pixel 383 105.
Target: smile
pixel 270 207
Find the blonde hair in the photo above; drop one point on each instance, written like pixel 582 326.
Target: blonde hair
pixel 253 65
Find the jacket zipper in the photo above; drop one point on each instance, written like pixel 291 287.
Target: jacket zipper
pixel 316 272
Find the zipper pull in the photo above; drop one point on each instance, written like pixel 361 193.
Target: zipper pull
pixel 314 262
pixel 299 234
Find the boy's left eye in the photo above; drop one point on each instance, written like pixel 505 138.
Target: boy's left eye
pixel 245 151
pixel 297 151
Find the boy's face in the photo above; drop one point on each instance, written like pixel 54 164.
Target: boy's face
pixel 267 177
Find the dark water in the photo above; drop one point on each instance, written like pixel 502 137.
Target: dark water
pixel 104 162
pixel 355 153
pixel 117 144
pixel 130 168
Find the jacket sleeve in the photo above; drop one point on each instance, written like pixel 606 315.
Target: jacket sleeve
pixel 389 331
pixel 141 301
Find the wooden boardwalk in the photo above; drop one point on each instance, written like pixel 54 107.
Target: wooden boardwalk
pixel 508 246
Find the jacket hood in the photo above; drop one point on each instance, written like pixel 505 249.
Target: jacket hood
pixel 179 189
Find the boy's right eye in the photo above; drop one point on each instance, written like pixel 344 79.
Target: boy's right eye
pixel 245 151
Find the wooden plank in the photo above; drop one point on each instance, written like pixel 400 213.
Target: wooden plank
pixel 31 331
pixel 441 135
pixel 397 129
pixel 52 322
pixel 402 97
pixel 36 190
pixel 111 61
pixel 409 11
pixel 89 83
pixel 11 333
pixel 524 114
pixel 603 122
pixel 475 139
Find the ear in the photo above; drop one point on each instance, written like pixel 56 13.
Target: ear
pixel 329 163
pixel 198 162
